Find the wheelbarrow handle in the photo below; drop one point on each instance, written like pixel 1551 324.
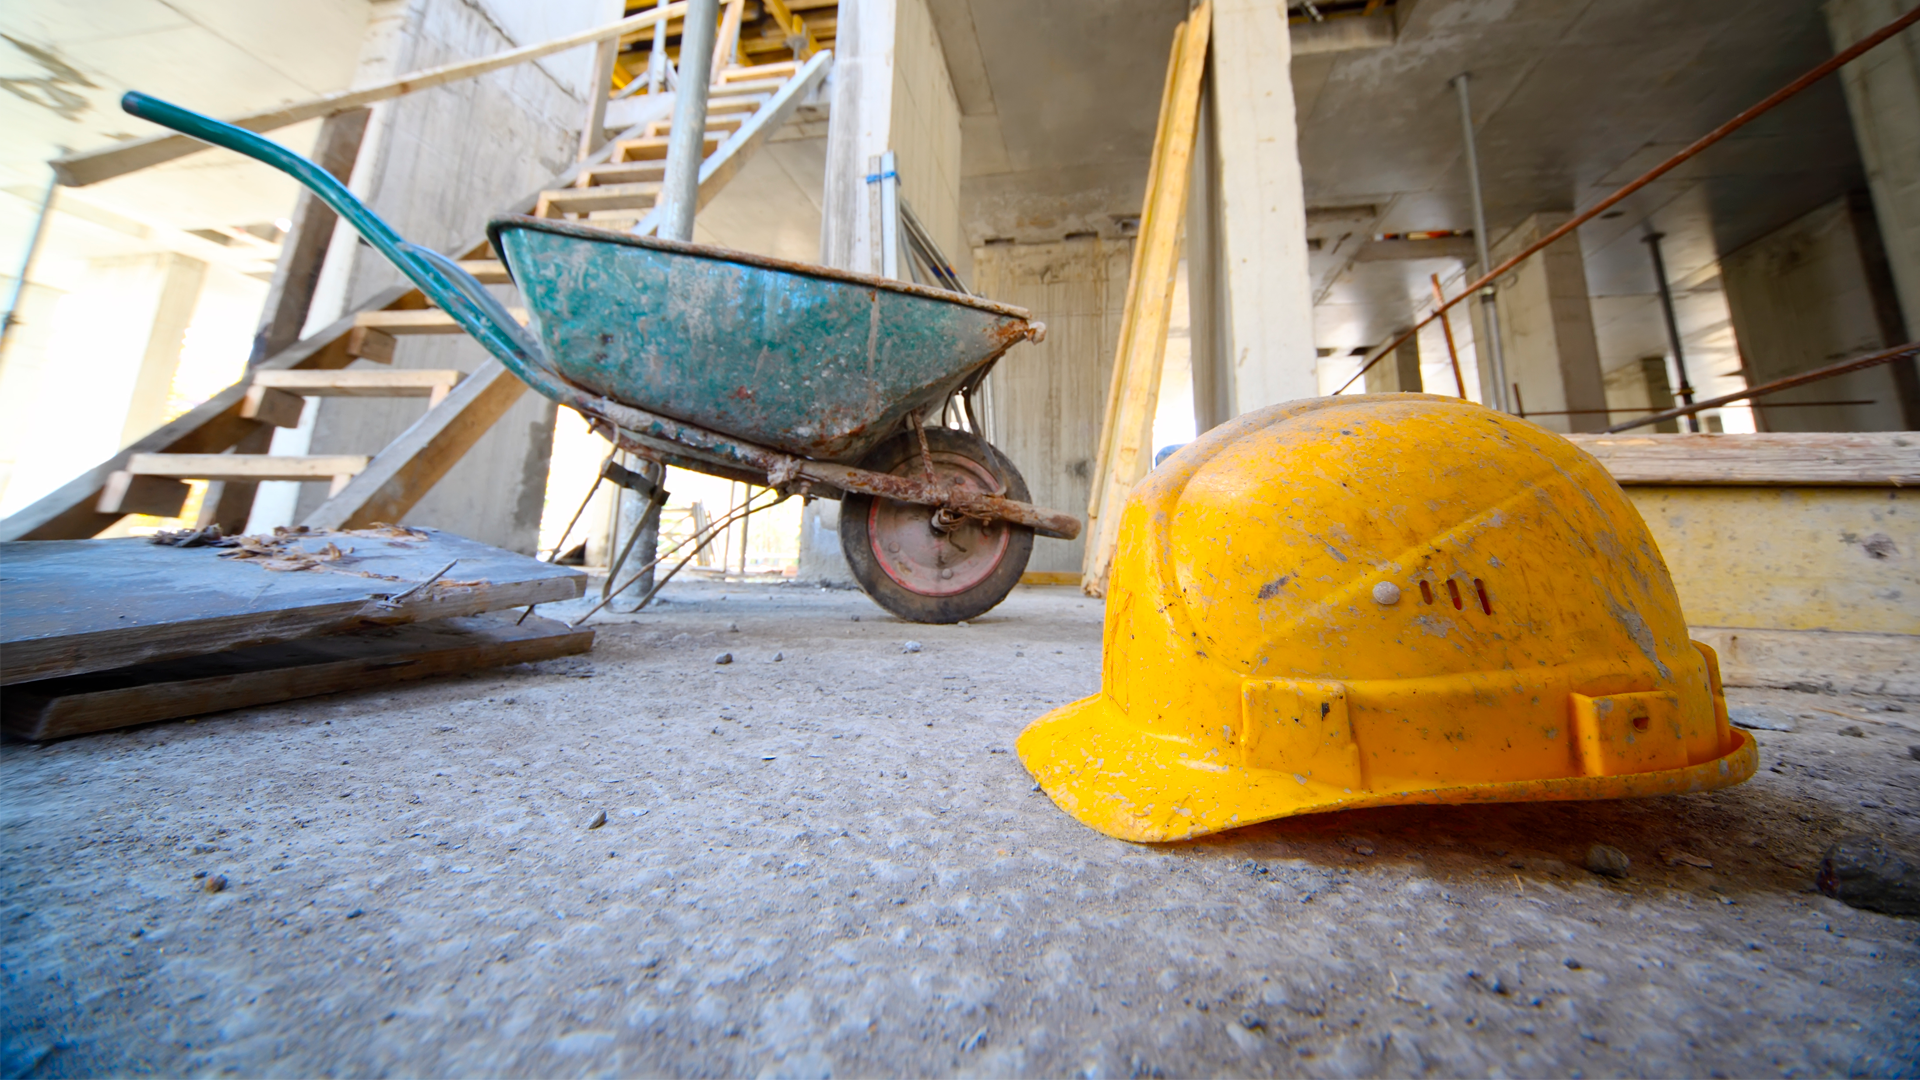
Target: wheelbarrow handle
pixel 457 292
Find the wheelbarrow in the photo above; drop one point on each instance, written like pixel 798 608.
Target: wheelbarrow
pixel 808 380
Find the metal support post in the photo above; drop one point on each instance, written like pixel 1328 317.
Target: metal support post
pixel 1496 356
pixel 687 146
pixel 657 59
pixel 1685 390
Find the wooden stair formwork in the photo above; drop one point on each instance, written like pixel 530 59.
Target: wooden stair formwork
pixel 146 476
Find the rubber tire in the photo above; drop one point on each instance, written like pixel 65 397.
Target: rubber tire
pixel 901 456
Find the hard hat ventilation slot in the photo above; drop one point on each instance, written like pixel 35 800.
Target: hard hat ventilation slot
pixel 1481 588
pixel 1453 590
pixel 1426 592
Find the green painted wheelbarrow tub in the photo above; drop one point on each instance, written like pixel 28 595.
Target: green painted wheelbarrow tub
pixel 812 361
pixel 762 426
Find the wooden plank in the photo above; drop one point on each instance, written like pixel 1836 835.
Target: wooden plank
pixel 593 130
pixel 1126 453
pixel 403 473
pixel 1050 577
pixel 75 606
pixel 256 467
pixel 229 503
pixel 406 382
pixel 263 674
pixel 1870 458
pixel 93 166
pixel 425 321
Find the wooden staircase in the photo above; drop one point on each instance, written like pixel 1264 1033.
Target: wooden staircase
pixel 616 187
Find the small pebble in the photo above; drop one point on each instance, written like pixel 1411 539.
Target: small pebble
pixel 1574 965
pixel 1914 752
pixel 911 646
pixel 1853 731
pixel 355 913
pixel 777 657
pixel 856 618
pixel 1386 594
pixel 1608 861
pixel 724 658
pixel 599 819
pixel 733 628
pixel 215 883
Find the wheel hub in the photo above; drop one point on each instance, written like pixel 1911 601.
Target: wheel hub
pixel 934 551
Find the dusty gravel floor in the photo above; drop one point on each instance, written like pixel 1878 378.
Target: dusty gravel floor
pixel 832 864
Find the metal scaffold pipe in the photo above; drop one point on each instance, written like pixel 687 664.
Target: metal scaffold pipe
pixel 680 191
pixel 1496 357
pixel 1652 241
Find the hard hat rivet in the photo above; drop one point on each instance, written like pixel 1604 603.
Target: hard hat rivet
pixel 1386 594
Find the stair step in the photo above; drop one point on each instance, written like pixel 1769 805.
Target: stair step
pixel 420 321
pixel 783 69
pixel 654 147
pixel 487 271
pixel 151 483
pixel 726 124
pixel 343 382
pixel 586 200
pixel 632 172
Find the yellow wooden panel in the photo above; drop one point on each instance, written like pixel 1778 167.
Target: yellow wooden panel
pixel 1790 558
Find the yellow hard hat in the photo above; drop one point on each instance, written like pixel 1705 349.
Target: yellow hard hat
pixel 1375 600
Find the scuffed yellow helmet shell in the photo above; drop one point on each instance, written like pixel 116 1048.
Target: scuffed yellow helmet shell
pixel 1375 600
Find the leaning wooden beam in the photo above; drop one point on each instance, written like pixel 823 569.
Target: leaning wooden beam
pixel 1126 444
pixel 402 474
pixel 93 166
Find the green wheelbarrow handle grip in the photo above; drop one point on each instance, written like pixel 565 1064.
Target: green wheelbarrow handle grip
pixel 456 292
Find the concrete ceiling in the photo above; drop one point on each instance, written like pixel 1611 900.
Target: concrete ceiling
pixel 1571 97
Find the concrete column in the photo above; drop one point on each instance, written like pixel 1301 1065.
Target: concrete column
pixel 1809 294
pixel 1262 236
pixel 1399 373
pixel 179 291
pixel 891 91
pixel 1049 399
pixel 1641 386
pixel 1883 94
pixel 1546 327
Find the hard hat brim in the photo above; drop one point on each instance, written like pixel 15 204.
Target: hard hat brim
pixel 1131 784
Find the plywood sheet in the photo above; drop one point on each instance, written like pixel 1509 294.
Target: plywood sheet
pixel 196 685
pixel 74 606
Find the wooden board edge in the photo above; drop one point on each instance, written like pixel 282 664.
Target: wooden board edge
pixel 37 718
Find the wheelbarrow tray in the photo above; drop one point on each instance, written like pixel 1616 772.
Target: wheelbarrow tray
pixel 811 361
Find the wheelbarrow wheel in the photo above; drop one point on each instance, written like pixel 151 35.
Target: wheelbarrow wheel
pixel 922 563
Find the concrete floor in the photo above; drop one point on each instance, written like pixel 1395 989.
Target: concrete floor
pixel 832 864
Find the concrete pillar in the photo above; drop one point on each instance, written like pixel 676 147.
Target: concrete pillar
pixel 1399 373
pixel 1810 294
pixel 891 91
pixel 1641 386
pixel 1261 239
pixel 1049 399
pixel 1546 328
pixel 179 283
pixel 436 165
pixel 1883 94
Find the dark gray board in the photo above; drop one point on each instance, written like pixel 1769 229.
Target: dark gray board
pixel 238 678
pixel 74 606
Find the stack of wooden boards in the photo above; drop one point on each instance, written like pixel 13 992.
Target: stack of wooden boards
pixel 102 634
